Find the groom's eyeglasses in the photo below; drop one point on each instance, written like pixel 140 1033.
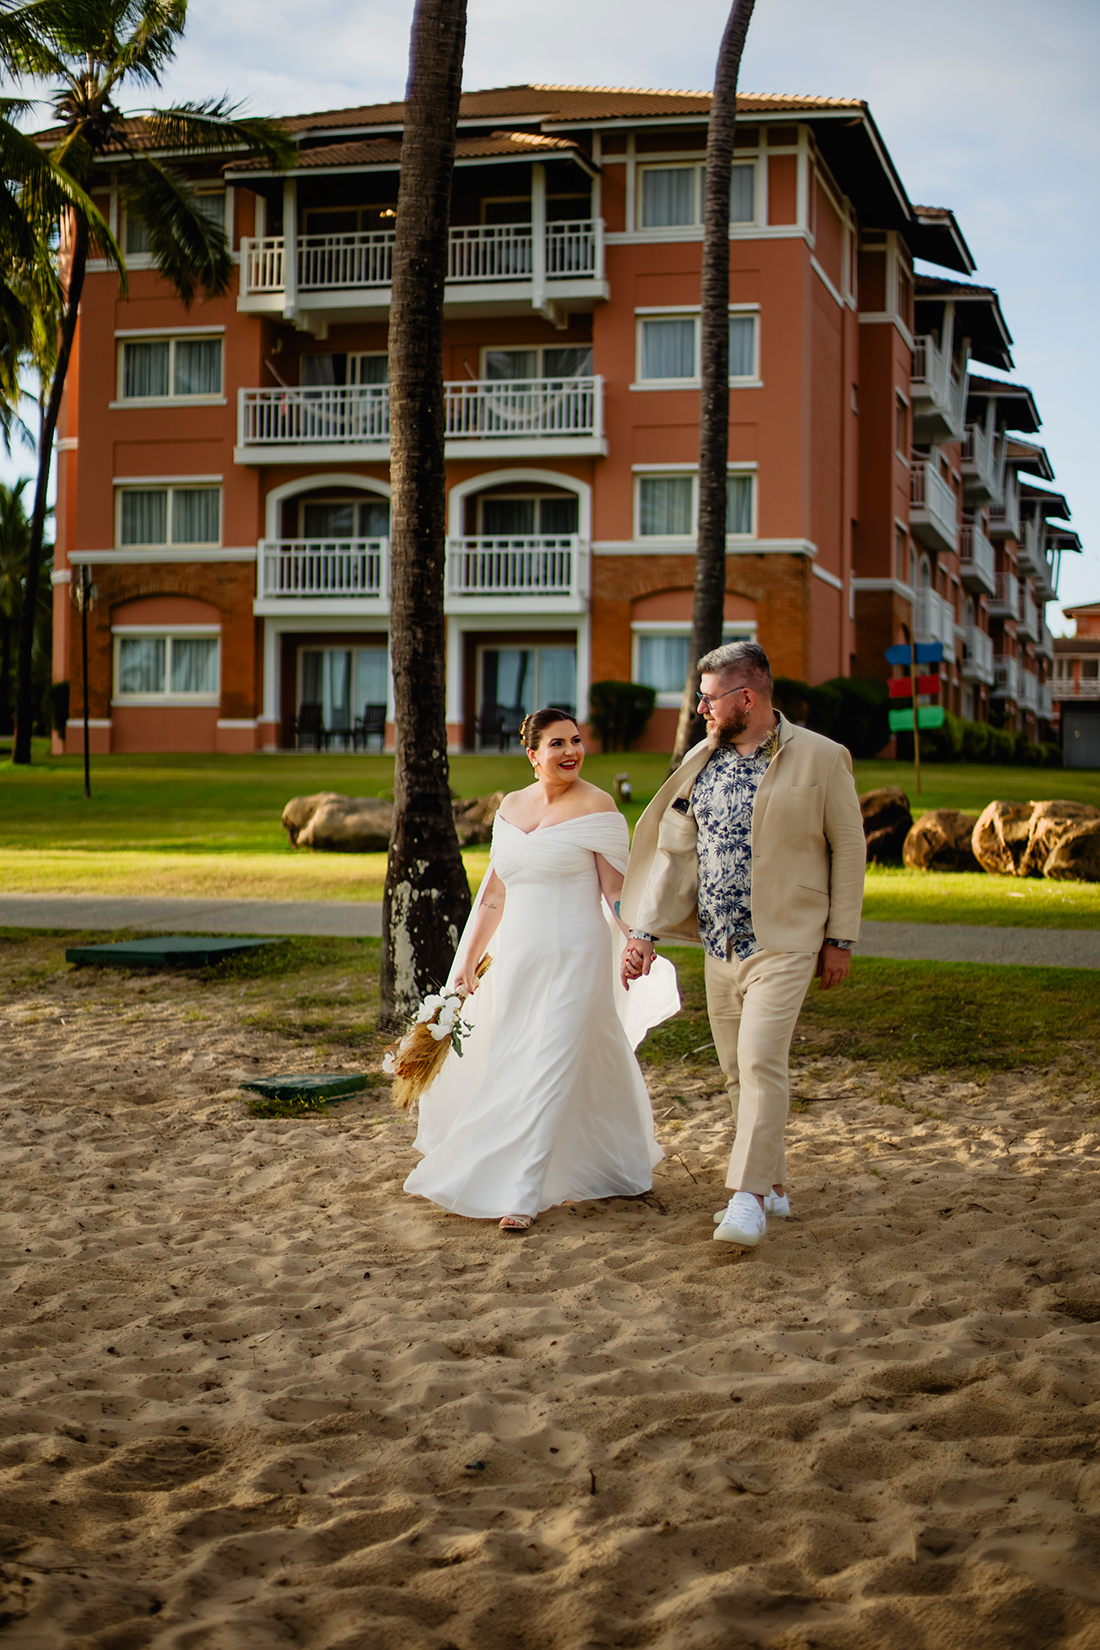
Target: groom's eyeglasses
pixel 713 698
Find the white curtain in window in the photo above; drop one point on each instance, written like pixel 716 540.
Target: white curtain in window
pixel 508 517
pixel 211 207
pixel 328 519
pixel 374 518
pixel 668 348
pixel 372 677
pixel 739 504
pixel 742 346
pixel 368 369
pixel 195 664
pixel 195 515
pixel 663 662
pixel 145 516
pixel 557 516
pixel 141 664
pixel 198 366
pixel 742 194
pixel 145 369
pixel 557 677
pixel 137 235
pixel 668 196
pixel 511 364
pixel 666 506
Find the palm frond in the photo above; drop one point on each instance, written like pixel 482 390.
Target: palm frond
pixel 28 47
pixel 190 250
pixel 215 126
pixel 156 27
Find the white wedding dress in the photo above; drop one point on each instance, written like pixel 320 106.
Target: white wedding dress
pixel 547 1101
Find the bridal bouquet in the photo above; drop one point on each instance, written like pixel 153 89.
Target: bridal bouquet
pixel 415 1059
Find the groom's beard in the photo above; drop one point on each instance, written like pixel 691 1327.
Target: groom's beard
pixel 728 732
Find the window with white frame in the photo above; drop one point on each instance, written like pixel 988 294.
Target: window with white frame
pixel 662 650
pixel 338 368
pixel 365 517
pixel 168 515
pixel 669 348
pixel 668 507
pixel 182 664
pixel 674 196
pixel 169 369
pixel 210 204
pixel 550 361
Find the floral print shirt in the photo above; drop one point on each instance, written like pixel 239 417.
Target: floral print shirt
pixel 721 800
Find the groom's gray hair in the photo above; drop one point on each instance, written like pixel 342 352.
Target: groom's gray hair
pixel 745 660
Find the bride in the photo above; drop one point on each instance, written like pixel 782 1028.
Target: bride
pixel 547 1101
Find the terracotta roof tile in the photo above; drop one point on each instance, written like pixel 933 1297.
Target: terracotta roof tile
pixel 387 151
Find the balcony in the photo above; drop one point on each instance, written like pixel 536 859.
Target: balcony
pixel 1045 580
pixel 1027 691
pixel 506 265
pixel 1029 545
pixel 513 418
pixel 933 508
pixel 1083 687
pixel 1044 641
pixel 1006 673
pixel 1005 601
pixel 536 573
pixel 934 621
pixel 1028 623
pixel 319 576
pixel 977 661
pixel 938 394
pixel 1004 514
pixel 983 459
pixel 1045 708
pixel 977 560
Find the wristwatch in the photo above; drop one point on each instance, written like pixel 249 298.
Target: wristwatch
pixel 841 945
pixel 639 934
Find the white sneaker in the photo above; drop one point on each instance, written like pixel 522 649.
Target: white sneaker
pixel 775 1203
pixel 744 1221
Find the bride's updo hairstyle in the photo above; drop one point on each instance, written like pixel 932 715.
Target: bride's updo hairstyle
pixel 535 725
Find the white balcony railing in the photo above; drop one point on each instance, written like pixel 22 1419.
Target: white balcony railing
pixel 977 559
pixel 539 409
pixel 1029 540
pixel 1044 641
pixel 977 655
pixel 342 568
pixel 1027 690
pixel 979 463
pixel 1045 709
pixel 1085 687
pixel 1028 617
pixel 934 620
pixel 1005 601
pixel 363 261
pixel 1006 673
pixel 1004 513
pixel 518 565
pixel 933 506
pixel 938 392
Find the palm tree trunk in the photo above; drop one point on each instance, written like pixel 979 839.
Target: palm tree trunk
pixel 426 898
pixel 24 708
pixel 714 398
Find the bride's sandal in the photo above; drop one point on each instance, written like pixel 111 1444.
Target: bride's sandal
pixel 517 1223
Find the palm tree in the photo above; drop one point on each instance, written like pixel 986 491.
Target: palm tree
pixel 708 607
pixel 87 50
pixel 15 538
pixel 427 898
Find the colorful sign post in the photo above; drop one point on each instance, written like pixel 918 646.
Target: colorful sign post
pixel 915 688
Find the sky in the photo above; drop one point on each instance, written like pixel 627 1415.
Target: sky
pixel 987 106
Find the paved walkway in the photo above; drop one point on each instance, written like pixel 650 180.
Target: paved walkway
pixel 922 941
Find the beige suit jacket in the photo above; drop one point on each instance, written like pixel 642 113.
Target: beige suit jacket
pixel 808 850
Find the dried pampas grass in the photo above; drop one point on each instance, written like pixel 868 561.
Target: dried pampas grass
pixel 416 1059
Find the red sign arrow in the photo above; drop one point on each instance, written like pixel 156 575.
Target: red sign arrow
pixel 901 687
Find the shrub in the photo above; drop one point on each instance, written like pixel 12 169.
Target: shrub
pixel 618 712
pixel 962 741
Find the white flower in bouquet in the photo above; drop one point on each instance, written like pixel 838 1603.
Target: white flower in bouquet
pixel 389 1062
pixel 438 1032
pixel 416 1058
pixel 427 1009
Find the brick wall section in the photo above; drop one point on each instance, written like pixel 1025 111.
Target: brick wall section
pixel 778 584
pixel 880 615
pixel 228 586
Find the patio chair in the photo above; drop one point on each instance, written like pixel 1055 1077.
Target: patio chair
pixel 489 726
pixel 309 725
pixel 372 721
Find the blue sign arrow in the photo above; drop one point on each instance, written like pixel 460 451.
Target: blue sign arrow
pixel 928 653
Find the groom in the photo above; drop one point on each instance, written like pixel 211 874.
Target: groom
pixel 755 847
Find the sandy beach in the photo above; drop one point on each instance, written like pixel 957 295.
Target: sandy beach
pixel 252 1396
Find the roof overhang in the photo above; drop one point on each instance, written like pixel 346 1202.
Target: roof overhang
pixel 979 317
pixel 1047 504
pixel 1015 404
pixel 1029 456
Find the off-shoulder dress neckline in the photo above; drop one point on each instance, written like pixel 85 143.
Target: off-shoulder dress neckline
pixel 594 813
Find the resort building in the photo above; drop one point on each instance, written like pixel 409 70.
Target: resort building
pixel 1076 682
pixel 223 470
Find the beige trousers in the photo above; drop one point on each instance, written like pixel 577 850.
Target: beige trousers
pixel 753 1008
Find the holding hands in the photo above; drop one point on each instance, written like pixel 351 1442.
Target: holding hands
pixel 637 960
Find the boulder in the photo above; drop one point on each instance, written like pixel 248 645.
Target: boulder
pixel 1050 823
pixel 1076 857
pixel 940 841
pixel 999 842
pixel 474 817
pixel 338 824
pixel 887 822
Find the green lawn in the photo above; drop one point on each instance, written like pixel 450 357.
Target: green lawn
pixel 209 826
